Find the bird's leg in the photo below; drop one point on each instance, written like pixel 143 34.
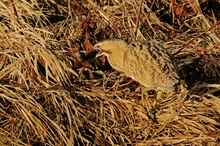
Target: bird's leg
pixel 159 94
pixel 146 102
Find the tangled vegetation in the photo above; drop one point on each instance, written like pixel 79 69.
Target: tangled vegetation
pixel 48 98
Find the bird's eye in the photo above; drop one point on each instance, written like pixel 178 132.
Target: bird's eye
pixel 98 50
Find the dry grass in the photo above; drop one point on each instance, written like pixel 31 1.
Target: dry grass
pixel 46 98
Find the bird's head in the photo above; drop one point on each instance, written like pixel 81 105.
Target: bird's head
pixel 106 48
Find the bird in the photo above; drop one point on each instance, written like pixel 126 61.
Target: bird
pixel 146 62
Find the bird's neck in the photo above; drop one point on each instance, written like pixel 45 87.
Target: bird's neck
pixel 116 59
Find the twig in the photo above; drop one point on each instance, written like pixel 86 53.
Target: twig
pixel 137 22
pixel 190 41
pixel 14 8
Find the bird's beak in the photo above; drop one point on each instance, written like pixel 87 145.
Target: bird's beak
pixel 91 55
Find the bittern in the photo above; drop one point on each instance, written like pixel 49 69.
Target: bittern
pixel 146 62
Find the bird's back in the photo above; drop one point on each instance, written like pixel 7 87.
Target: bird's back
pixel 150 64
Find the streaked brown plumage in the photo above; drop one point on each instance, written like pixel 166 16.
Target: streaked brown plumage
pixel 146 62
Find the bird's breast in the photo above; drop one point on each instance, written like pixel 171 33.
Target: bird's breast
pixel 151 65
